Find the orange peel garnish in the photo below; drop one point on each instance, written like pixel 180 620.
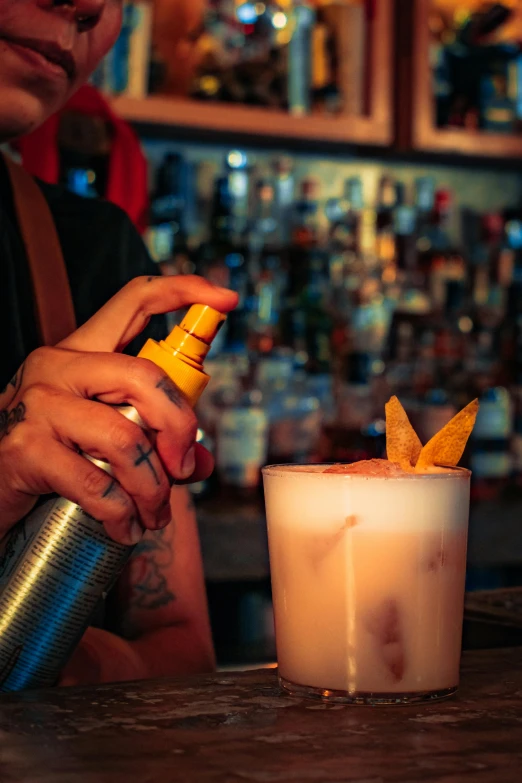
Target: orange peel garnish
pixel 402 442
pixel 447 446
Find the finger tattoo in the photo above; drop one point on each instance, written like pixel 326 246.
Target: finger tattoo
pixel 144 458
pixel 171 391
pixel 9 419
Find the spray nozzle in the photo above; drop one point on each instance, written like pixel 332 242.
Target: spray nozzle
pixel 202 322
pixel 182 353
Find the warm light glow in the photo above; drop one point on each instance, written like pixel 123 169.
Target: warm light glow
pixel 236 159
pixel 389 274
pixel 209 84
pixel 465 324
pixel 279 20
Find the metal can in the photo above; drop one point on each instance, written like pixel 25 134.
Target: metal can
pixel 56 566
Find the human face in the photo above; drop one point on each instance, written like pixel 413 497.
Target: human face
pixel 48 48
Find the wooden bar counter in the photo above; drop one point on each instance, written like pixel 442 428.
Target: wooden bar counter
pixel 238 728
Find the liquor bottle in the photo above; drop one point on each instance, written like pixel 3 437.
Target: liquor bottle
pixel 305 228
pixel 325 89
pixel 450 340
pixel 345 262
pixel 242 445
pixel 263 222
pixel 442 217
pixel 223 256
pixel 313 305
pixel 304 240
pixel 424 205
pixel 385 237
pixel 238 175
pixel 283 184
pixel 344 231
pixel 171 205
pixel 300 58
pixel 267 277
pixel 413 297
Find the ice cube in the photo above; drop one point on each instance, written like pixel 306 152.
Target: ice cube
pixel 324 544
pixel 384 623
pixel 435 560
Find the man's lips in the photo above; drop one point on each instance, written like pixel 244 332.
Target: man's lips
pixel 47 49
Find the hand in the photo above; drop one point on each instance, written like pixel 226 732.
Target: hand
pixel 103 657
pixel 48 413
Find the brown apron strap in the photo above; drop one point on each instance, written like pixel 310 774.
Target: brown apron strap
pixel 52 294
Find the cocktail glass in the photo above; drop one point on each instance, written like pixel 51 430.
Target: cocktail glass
pixel 368 576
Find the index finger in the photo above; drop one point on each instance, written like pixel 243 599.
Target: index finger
pixel 129 311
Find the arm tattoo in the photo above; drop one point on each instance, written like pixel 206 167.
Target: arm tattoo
pixel 151 562
pixel 15 382
pixel 145 587
pixel 171 391
pixel 10 418
pixel 145 458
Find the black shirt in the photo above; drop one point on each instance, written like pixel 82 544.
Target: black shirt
pixel 102 251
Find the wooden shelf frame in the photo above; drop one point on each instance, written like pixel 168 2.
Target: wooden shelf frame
pixel 374 128
pixel 425 136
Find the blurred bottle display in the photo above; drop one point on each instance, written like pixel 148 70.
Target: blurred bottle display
pixel 344 301
pixel 299 55
pixel 295 55
pixel 476 56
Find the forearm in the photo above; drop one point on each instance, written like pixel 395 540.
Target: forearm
pixel 104 657
pixel 160 604
pixel 176 650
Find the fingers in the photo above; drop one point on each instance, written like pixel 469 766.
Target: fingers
pixel 105 434
pixel 116 378
pixel 73 477
pixel 127 313
pixel 204 466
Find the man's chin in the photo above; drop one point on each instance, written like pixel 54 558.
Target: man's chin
pixel 21 112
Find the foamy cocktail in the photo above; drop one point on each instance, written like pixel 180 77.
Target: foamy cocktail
pixel 368 566
pixel 368 573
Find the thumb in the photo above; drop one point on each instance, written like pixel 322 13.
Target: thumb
pixel 129 311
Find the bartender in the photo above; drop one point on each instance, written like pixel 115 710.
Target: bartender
pixel 156 621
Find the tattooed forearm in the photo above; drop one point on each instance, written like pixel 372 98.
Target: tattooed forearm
pixel 144 458
pixel 9 419
pixel 151 565
pixel 171 391
pixel 145 585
